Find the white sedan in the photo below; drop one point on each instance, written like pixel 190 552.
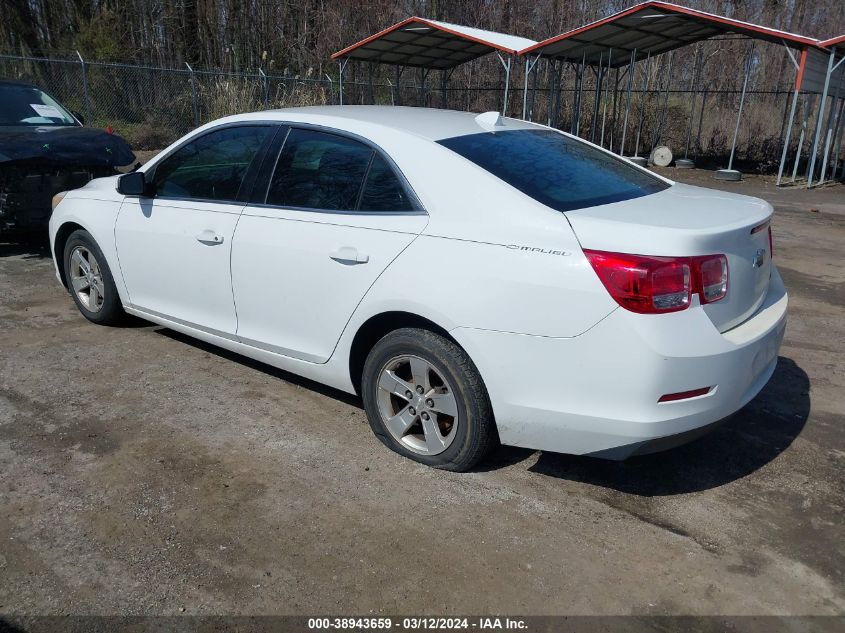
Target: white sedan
pixel 475 279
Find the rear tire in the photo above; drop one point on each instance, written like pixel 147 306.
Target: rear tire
pixel 425 400
pixel 90 281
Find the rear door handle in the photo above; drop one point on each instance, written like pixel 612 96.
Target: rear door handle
pixel 349 255
pixel 209 237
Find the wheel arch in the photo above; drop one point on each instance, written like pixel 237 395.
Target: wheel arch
pixel 377 326
pixel 62 235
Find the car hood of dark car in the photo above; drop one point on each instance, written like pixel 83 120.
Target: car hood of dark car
pixel 81 146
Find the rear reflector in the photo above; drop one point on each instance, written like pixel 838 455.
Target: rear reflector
pixel 683 395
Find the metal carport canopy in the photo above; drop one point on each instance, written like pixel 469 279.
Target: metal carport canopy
pixel 423 43
pixel 652 28
pixel 833 41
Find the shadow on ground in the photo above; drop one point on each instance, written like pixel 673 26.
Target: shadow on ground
pixel 262 367
pixel 751 439
pixel 755 436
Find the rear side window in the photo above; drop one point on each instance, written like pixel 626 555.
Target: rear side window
pixel 317 170
pixel 383 191
pixel 556 170
pixel 329 172
pixel 211 167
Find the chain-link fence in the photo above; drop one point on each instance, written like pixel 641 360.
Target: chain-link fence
pixel 151 106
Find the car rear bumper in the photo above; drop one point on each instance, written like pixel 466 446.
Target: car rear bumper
pixel 598 393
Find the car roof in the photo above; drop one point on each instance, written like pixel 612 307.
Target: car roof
pixel 429 123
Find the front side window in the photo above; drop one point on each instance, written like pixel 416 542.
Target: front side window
pixel 556 170
pixel 329 172
pixel 211 167
pixel 26 105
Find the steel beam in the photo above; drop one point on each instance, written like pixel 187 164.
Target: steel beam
pixel 820 118
pixel 631 66
pixel 701 120
pixel 613 117
pixel 807 108
pixel 605 93
pixel 787 128
pixel 832 129
pixel 576 109
pixel 741 105
pixel 86 92
pixel 837 139
pixel 787 135
pixel 195 97
pixel 342 64
pixel 507 67
pixel 642 104
pixel 533 100
pixel 693 84
pixel 529 66
pixel 661 119
pixel 597 98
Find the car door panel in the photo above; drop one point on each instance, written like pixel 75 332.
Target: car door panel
pixel 174 256
pixel 299 275
pixel 331 216
pixel 174 244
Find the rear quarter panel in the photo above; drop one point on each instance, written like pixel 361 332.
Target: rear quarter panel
pixel 489 258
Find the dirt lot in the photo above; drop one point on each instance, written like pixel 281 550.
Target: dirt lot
pixel 144 473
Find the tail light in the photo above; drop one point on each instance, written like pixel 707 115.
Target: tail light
pixel 656 285
pixel 771 243
pixel 647 285
pixel 712 274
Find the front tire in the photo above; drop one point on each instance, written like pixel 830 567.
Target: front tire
pixel 90 281
pixel 425 400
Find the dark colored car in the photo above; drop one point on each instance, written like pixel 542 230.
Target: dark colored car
pixel 43 150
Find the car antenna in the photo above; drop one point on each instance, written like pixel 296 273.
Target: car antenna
pixel 490 120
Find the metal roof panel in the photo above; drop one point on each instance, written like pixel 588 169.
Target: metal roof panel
pixel 445 45
pixel 668 26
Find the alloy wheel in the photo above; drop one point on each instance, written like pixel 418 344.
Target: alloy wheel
pixel 86 279
pixel 417 405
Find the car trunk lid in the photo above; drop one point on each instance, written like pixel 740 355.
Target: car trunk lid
pixel 684 221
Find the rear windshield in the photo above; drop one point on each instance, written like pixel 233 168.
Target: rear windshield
pixel 561 172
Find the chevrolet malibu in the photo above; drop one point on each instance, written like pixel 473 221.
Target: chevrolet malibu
pixel 475 279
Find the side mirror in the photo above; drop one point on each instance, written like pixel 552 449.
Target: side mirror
pixel 132 184
pixel 79 117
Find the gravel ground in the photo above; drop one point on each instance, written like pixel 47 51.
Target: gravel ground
pixel 142 472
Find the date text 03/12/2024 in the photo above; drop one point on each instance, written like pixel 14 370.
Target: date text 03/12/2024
pixel 417 623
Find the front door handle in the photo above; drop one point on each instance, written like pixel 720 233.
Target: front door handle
pixel 349 255
pixel 209 237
